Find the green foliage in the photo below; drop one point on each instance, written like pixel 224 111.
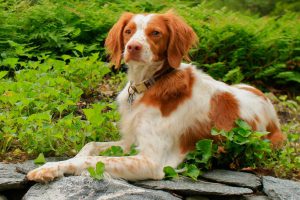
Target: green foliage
pixel 98 172
pixel 118 151
pixel 233 46
pixel 40 159
pixel 241 147
pixel 170 172
pixel 266 7
pixel 113 151
pixel 40 103
pixel 285 162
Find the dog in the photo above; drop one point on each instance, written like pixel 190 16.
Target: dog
pixel 167 105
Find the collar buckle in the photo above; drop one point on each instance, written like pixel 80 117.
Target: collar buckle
pixel 145 85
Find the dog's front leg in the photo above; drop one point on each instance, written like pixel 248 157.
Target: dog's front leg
pixel 130 168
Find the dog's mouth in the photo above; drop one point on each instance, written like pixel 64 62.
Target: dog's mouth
pixel 133 57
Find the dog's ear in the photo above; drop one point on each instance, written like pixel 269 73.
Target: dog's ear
pixel 182 38
pixel 114 42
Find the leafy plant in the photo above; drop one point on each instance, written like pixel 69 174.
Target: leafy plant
pixel 40 159
pixel 113 151
pixel 242 146
pixel 118 151
pixel 98 172
pixel 170 172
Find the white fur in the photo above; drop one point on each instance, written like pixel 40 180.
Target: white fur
pixel 139 71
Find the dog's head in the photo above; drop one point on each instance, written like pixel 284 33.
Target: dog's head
pixel 143 39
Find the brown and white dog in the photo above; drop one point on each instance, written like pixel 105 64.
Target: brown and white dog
pixel 167 106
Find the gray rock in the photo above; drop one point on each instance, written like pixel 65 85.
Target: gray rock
pixel 233 178
pixel 197 198
pixel 188 187
pixel 29 165
pixel 256 197
pixel 9 178
pixel 80 187
pixel 12 176
pixel 280 189
pixel 2 197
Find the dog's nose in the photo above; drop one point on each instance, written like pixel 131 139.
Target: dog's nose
pixel 134 47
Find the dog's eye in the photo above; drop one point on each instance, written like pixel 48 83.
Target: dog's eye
pixel 128 31
pixel 155 33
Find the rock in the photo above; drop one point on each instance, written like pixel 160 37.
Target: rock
pixel 280 189
pixel 187 187
pixel 12 176
pixel 197 198
pixel 9 178
pixel 255 197
pixel 233 178
pixel 29 165
pixel 80 187
pixel 2 197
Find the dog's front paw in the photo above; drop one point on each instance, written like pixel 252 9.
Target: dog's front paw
pixel 45 173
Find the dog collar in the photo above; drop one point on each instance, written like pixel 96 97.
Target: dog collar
pixel 145 85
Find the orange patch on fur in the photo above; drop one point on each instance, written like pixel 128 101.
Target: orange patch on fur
pixel 181 39
pixel 254 91
pixel 158 43
pixel 224 110
pixel 257 120
pixel 275 135
pixel 170 91
pixel 193 135
pixel 114 42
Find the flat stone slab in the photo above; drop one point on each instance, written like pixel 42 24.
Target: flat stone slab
pixel 29 165
pixel 188 187
pixel 9 178
pixel 280 189
pixel 255 197
pixel 80 187
pixel 233 178
pixel 12 176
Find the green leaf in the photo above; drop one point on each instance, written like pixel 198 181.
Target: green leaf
pixel 204 145
pixel 240 140
pixel 133 151
pixel 12 62
pixel 94 114
pixel 235 75
pixel 191 156
pixel 205 148
pixel 214 131
pixel 242 124
pixel 79 48
pixel 113 151
pixel 117 151
pixel 170 172
pixel 97 173
pixel 289 76
pixel 244 133
pixel 192 171
pixel 66 57
pixel 92 172
pixel 100 168
pixel 40 159
pixel 3 73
